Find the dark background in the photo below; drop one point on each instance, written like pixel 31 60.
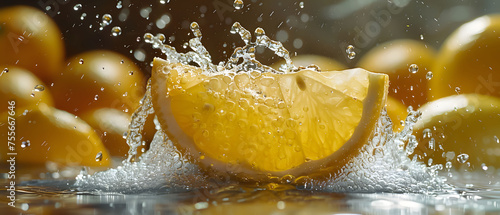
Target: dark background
pixel 324 27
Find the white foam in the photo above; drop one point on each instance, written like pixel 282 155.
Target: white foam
pixel 384 165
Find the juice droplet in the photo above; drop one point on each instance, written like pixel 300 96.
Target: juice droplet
pixel 429 75
pixel 238 4
pixel 462 158
pixel 413 68
pixel 115 31
pixel 350 52
pixel 39 88
pixel 98 157
pixel 77 7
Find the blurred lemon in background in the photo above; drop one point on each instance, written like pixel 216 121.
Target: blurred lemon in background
pixel 23 87
pixel 407 63
pixel 98 79
pixel 460 129
pixel 266 124
pixel 32 40
pixel 111 125
pixel 47 134
pixel 468 60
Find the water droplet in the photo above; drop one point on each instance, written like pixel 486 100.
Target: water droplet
pixel 484 167
pixel 77 7
pixel 39 88
pixel 124 135
pixel 25 144
pixel 98 157
pixel 164 1
pixel 106 20
pixel 421 37
pixel 413 68
pixel 161 37
pixel 81 61
pixel 457 89
pixel 432 144
pixel 238 4
pixel 448 165
pixel 148 38
pixel 496 139
pixel 350 52
pixel 32 95
pixel 119 5
pixel 115 31
pixel 82 17
pixel 462 158
pixel 429 75
pixel 301 4
pixel 426 133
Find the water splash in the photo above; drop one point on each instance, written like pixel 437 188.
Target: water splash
pixel 383 165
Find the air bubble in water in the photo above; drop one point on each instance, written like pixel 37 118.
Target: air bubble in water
pixel 82 17
pixel 301 4
pixel 98 157
pixel 413 68
pixel 496 139
pixel 448 165
pixel 39 88
pixel 81 61
pixel 457 89
pixel 32 95
pixel 429 75
pixel 25 144
pixel 350 52
pixel 462 158
pixel 96 97
pixel 119 5
pixel 238 4
pixel 116 31
pixel 131 72
pixel 77 7
pixel 5 70
pixel 164 1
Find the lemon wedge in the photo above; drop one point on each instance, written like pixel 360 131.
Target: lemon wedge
pixel 253 124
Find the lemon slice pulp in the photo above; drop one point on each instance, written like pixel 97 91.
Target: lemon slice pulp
pixel 253 124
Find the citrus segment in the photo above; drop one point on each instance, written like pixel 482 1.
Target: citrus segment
pixel 272 123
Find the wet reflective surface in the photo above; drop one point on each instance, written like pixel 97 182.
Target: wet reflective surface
pixel 475 193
